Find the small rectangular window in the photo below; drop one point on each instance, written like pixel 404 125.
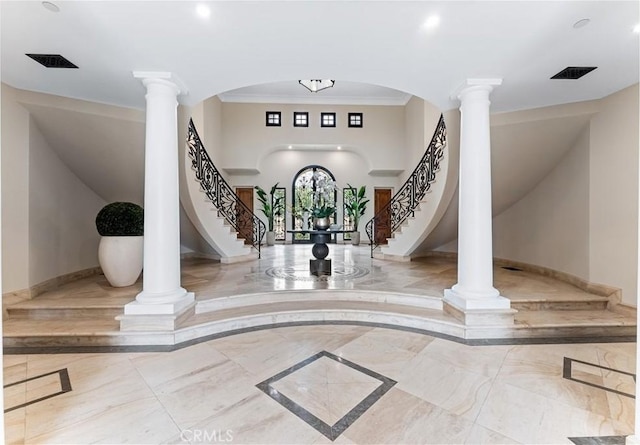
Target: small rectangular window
pixel 355 120
pixel 327 119
pixel 300 119
pixel 273 118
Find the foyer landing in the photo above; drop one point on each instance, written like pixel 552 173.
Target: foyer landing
pixel 275 291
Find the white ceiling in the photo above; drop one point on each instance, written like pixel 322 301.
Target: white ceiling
pixel 343 92
pixel 380 43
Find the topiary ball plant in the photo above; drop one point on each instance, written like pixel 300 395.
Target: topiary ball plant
pixel 120 219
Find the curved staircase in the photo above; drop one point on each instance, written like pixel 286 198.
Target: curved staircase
pixel 215 210
pixel 415 210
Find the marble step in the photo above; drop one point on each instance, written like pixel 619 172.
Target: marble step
pixel 557 324
pixel 64 313
pixel 529 324
pixel 587 303
pixel 218 302
pixel 325 311
pixel 551 318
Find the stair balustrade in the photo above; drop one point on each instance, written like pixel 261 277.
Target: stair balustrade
pixel 221 195
pixel 406 200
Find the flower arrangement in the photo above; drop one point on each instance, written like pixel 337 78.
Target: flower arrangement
pixel 324 196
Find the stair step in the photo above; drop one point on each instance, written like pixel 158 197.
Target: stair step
pixel 325 306
pixel 59 313
pixel 562 318
pixel 585 304
pixel 60 328
pixel 91 332
pixel 220 301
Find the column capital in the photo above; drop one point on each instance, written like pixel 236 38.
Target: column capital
pixel 163 77
pixel 475 84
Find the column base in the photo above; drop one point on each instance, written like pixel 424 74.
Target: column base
pixel 490 311
pixel 158 298
pixel 157 317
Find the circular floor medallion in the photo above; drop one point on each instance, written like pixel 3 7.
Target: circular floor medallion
pixel 339 273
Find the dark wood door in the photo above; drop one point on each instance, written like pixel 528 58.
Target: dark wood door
pixel 245 218
pixel 381 198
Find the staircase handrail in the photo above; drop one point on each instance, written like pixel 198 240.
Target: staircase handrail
pixel 405 201
pixel 218 191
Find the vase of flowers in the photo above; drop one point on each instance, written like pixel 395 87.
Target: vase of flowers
pixel 323 202
pixel 321 222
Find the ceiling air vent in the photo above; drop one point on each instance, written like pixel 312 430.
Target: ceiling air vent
pixel 52 60
pixel 574 72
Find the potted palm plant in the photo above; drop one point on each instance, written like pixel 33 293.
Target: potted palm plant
pixel 355 208
pixel 120 252
pixel 272 206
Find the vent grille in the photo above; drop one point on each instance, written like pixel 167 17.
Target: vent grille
pixel 574 72
pixel 52 60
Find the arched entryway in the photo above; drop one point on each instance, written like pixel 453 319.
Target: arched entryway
pixel 304 187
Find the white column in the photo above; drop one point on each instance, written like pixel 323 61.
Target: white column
pixel 474 289
pixel 161 290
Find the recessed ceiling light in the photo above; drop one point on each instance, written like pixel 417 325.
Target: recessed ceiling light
pixel 636 28
pixel 339 147
pixel 51 6
pixel 203 11
pixel 581 23
pixel 432 22
pixel 290 147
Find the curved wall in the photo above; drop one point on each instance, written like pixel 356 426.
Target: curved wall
pixel 582 218
pixel 48 215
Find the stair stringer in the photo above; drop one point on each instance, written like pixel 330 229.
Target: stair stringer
pixel 408 239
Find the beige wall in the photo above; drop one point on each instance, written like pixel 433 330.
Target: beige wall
pixel 550 225
pixel 613 192
pixel 246 139
pixel 15 192
pixel 48 214
pixel 212 126
pixel 414 128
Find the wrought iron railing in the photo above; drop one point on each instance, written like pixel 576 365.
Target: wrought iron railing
pixel 404 203
pixel 226 202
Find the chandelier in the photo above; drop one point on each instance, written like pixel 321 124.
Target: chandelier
pixel 315 85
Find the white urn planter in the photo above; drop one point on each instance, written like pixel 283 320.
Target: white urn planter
pixel 121 259
pixel 355 238
pixel 271 238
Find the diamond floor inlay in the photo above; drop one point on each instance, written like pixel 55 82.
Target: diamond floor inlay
pixel 327 391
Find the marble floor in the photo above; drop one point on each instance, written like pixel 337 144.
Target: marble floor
pixel 280 280
pixel 326 383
